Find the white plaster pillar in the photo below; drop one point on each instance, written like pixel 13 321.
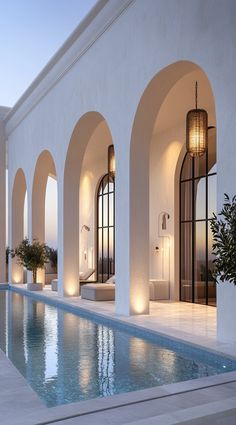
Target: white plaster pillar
pixel 132 236
pixel 68 227
pixel 2 204
pixel 16 223
pixel 60 235
pixel 38 217
pixel 29 226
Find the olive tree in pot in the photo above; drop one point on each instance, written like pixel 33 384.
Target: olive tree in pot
pixel 32 256
pixel 224 249
pixel 224 242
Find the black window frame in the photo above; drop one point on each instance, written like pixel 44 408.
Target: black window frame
pixel 105 181
pixel 193 179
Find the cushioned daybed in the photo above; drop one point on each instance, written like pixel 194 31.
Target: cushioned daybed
pixel 83 277
pixel 98 291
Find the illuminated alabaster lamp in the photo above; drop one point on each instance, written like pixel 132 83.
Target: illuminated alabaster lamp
pixel 196 129
pixel 111 161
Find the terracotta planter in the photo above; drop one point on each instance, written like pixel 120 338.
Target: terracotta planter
pixel 34 286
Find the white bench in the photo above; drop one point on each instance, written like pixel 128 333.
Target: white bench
pixel 159 289
pixel 54 284
pixel 98 291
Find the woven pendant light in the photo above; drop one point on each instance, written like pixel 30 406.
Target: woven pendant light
pixel 111 161
pixel 196 129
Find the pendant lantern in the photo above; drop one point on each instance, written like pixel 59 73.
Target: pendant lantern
pixel 111 161
pixel 196 129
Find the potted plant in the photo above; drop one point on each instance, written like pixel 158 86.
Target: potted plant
pixel 32 256
pixel 224 242
pixel 53 258
pixel 224 272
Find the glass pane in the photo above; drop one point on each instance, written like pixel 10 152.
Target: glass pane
pixel 105 255
pixel 186 201
pixel 186 172
pixel 200 198
pixel 100 255
pixel 100 211
pixel 111 244
pixel 111 210
pixel 105 210
pixel 211 281
pixel 186 262
pixel 212 151
pixel 105 184
pixel 211 196
pixel 200 263
pixel 200 166
pixel 111 185
pixel 100 189
pixel 213 169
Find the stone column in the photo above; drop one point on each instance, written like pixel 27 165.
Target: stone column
pixel 132 235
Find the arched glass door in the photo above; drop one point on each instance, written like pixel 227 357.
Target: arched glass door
pixel 106 228
pixel 197 204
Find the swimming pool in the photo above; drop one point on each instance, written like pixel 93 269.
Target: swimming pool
pixel 66 357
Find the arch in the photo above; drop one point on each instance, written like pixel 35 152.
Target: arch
pixel 17 225
pixel 82 134
pixel 45 167
pixel 145 120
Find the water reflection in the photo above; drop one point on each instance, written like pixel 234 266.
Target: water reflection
pixel 66 358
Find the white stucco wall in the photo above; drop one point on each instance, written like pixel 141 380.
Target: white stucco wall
pixel 107 70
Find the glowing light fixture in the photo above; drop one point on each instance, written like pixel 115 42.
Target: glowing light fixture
pixel 196 129
pixel 111 161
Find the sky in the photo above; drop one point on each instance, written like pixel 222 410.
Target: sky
pixel 31 31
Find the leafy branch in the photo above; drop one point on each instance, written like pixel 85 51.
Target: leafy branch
pixel 224 242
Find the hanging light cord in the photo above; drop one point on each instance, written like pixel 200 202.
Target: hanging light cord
pixel 196 86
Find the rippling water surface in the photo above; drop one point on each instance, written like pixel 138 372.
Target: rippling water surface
pixel 66 358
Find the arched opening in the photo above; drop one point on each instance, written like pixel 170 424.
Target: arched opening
pixel 154 182
pixel 19 224
pixel 86 164
pixel 44 208
pixel 197 205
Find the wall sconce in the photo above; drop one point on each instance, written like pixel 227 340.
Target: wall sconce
pixel 196 129
pixel 111 161
pixel 85 228
pixel 165 216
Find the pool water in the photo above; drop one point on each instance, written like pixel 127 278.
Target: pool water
pixel 67 358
